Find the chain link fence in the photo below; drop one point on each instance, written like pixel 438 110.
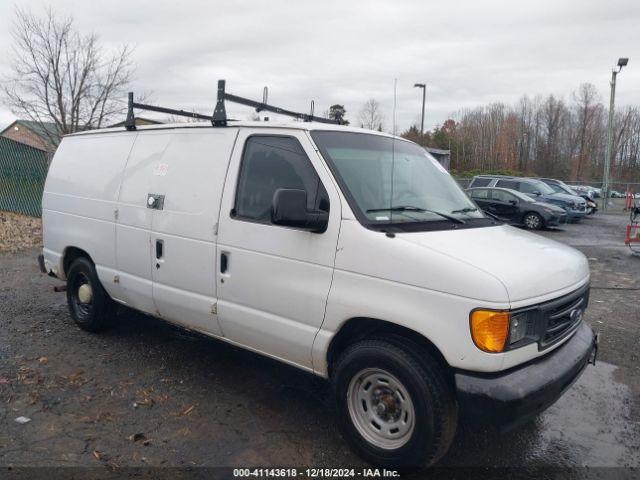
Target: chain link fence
pixel 23 170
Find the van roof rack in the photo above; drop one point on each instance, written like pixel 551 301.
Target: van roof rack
pixel 219 117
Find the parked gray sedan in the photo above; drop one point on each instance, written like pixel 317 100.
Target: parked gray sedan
pixel 517 208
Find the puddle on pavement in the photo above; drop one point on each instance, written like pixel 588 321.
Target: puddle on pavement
pixel 590 426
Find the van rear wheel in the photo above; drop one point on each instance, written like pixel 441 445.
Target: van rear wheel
pixel 89 304
pixel 395 407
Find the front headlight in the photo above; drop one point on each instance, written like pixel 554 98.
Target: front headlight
pixel 517 327
pixel 496 331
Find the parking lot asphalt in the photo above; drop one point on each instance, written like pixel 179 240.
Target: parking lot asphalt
pixel 148 394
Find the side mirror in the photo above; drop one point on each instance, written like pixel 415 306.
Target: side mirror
pixel 536 192
pixel 513 202
pixel 289 209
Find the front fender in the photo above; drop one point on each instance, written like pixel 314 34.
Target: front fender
pixel 441 318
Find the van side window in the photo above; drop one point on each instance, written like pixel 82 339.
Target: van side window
pixel 270 163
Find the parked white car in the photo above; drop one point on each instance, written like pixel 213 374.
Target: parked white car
pixel 347 253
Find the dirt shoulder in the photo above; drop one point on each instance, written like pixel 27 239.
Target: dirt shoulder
pixel 18 232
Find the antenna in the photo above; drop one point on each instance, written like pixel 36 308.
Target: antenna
pixel 393 146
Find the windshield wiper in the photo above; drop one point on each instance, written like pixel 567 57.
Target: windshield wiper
pixel 410 208
pixel 465 210
pixel 404 208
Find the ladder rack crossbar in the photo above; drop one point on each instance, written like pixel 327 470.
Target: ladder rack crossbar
pixel 259 106
pixel 219 117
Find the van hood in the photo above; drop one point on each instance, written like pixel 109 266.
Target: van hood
pixel 527 264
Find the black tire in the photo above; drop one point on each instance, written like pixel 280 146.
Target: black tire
pixel 435 409
pixel 533 221
pixel 98 313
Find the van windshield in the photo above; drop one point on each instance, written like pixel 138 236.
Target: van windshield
pixel 394 182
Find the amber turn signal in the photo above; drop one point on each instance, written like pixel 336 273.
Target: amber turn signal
pixel 490 330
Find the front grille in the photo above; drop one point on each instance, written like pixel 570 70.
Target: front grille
pixel 562 316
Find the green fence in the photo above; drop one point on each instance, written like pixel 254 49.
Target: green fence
pixel 23 170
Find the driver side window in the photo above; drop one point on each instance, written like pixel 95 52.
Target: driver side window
pixel 268 164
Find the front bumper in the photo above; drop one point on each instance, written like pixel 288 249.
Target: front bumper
pixel 513 397
pixel 556 219
pixel 576 214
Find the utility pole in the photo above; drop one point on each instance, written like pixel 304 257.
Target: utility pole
pixel 423 86
pixel 607 160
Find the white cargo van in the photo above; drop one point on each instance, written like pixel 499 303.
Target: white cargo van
pixel 347 253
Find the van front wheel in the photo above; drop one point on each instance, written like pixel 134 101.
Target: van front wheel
pixel 89 304
pixel 394 406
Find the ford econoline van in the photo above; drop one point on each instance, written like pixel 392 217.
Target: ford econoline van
pixel 347 253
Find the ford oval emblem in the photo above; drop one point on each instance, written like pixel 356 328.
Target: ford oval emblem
pixel 575 315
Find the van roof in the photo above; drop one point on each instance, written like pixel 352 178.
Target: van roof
pixel 240 123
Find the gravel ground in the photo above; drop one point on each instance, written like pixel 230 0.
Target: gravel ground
pixel 18 232
pixel 145 394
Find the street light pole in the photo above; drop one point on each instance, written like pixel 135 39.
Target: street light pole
pixel 423 86
pixel 607 160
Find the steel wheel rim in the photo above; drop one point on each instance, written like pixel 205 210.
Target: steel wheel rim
pixel 380 408
pixel 83 309
pixel 532 221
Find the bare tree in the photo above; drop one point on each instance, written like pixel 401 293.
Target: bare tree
pixel 370 116
pixel 543 136
pixel 62 76
pixel 586 108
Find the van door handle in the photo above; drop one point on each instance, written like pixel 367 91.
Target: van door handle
pixel 159 249
pixel 224 262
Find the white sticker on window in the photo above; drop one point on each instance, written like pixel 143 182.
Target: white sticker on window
pixel 161 169
pixel 382 218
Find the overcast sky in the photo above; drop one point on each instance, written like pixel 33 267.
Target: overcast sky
pixel 468 53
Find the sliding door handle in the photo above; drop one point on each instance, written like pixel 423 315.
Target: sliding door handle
pixel 224 262
pixel 159 249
